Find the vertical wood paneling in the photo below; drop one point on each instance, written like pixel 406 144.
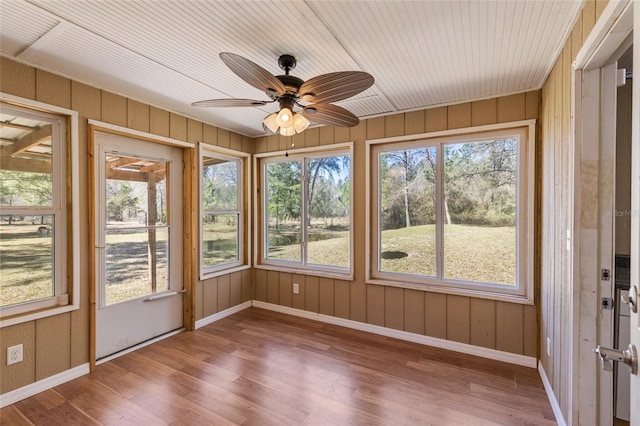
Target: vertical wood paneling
pixel 53 89
pixel 235 141
pixel 532 106
pixel 260 145
pixel 375 305
pixel 114 109
pixel 224 292
pixel 394 125
pixel 327 135
pixel 436 119
pixel 195 131
pixel 342 134
pixel 435 315
pixel 210 134
pixel 247 285
pixel 159 122
pixel 326 291
pixel 530 345
pixel 483 323
pixel 458 327
pixel 224 138
pixel 298 300
pixel 414 122
pixel 375 128
pixel 312 137
pixel 285 289
pixel 177 127
pixel 199 299
pixel 235 288
pixel 210 302
pixel 358 288
pixel 459 115
pixel 414 311
pixel 341 290
pixel 511 108
pixel 509 327
pixel 21 374
pixel 588 18
pixel 312 294
pixel 52 347
pixel 484 112
pixel 298 140
pixel 260 285
pixel 273 286
pixel 273 143
pixel 17 79
pixel 394 308
pixel 138 116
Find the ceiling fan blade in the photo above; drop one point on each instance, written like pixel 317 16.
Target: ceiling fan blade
pixel 331 115
pixel 335 86
pixel 231 102
pixel 253 73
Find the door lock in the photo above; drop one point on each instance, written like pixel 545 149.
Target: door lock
pixel 628 356
pixel 632 299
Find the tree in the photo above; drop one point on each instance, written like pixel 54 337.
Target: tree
pixel 119 198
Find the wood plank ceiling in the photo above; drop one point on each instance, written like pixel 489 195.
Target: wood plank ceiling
pixel 421 53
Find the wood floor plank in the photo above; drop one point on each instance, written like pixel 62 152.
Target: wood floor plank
pixel 259 367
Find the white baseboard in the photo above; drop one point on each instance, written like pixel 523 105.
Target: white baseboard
pixel 43 385
pixel 552 397
pixel 222 314
pixel 493 354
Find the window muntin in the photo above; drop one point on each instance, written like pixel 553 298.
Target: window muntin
pixel 33 232
pixel 306 206
pixel 468 199
pixel 222 217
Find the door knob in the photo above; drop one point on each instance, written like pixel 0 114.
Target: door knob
pixel 608 355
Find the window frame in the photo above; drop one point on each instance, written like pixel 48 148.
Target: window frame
pixel 67 228
pixel 525 225
pixel 244 211
pixel 302 268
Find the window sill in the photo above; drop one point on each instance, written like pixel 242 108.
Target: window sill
pixel 456 291
pixel 34 315
pixel 214 274
pixel 310 272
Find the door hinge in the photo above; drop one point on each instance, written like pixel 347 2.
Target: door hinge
pixel 605 274
pixel 607 303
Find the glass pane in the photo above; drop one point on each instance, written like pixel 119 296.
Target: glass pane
pixel 26 157
pixel 26 258
pixel 480 211
pixel 219 184
pixel 407 194
pixel 328 224
pixel 136 192
pixel 136 263
pixel 219 239
pixel 282 211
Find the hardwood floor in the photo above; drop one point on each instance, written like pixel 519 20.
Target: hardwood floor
pixel 258 367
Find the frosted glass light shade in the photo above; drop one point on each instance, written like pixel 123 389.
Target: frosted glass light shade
pixel 287 131
pixel 300 123
pixel 270 122
pixel 285 118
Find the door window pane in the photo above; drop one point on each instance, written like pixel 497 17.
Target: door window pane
pixel 137 231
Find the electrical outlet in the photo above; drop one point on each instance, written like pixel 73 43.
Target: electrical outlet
pixel 296 288
pixel 549 347
pixel 14 354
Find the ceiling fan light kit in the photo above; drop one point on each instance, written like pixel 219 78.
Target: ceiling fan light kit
pixel 318 92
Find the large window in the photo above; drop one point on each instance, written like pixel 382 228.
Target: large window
pixel 34 230
pixel 223 221
pixel 306 206
pixel 453 212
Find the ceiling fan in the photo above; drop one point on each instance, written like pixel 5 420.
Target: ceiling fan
pixel 313 96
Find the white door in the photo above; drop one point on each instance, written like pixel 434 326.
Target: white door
pixel 635 218
pixel 138 221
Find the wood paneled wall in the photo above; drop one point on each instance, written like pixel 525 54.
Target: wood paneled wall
pixel 58 343
pixel 503 326
pixel 556 318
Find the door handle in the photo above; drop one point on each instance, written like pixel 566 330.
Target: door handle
pixel 632 299
pixel 608 355
pixel 163 295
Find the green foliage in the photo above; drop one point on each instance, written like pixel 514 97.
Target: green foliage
pixel 25 189
pixel 220 185
pixel 120 197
